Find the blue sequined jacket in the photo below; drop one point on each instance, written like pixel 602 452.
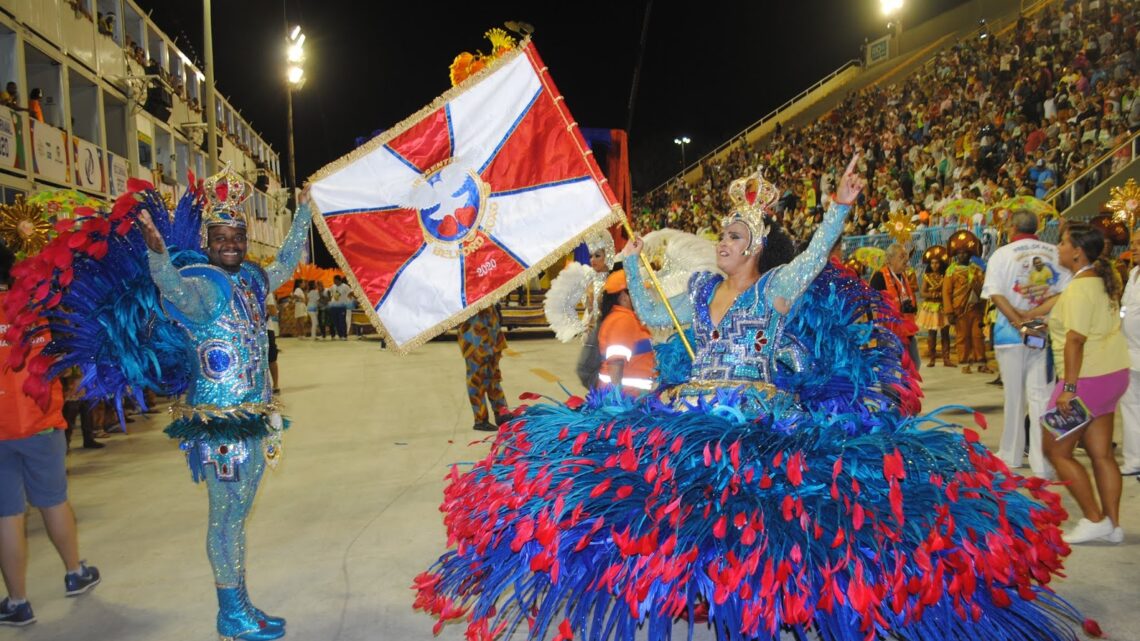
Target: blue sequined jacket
pixel 224 314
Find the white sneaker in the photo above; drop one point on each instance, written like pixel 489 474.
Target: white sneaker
pixel 1086 531
pixel 1116 536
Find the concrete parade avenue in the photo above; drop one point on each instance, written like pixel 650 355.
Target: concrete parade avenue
pixel 351 515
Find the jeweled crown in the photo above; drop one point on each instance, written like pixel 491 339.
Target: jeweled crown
pixel 752 197
pixel 225 193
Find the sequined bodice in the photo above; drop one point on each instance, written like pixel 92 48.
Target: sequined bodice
pixel 748 344
pixel 231 348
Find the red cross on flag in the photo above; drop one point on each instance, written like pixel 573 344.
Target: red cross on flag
pixel 454 207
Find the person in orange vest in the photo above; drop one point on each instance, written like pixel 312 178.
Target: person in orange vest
pixel 32 470
pixel 898 284
pixel 623 340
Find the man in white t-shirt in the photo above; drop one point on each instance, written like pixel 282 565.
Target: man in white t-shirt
pixel 1020 276
pixel 1130 402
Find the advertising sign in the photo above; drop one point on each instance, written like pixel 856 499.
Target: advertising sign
pixel 49 153
pixel 11 140
pixel 878 50
pixel 118 170
pixel 87 160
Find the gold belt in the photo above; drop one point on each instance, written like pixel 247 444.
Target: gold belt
pixel 698 387
pixel 707 388
pixel 206 412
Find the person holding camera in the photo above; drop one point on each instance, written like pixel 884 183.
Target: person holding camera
pixel 898 283
pixel 1021 275
pixel 1091 357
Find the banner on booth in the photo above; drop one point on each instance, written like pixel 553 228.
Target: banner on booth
pixel 119 172
pixel 87 160
pixel 49 153
pixel 11 139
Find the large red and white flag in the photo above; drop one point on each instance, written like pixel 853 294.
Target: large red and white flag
pixel 450 210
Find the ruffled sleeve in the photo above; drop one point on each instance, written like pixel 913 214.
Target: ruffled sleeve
pixel 198 298
pixel 649 308
pixel 289 255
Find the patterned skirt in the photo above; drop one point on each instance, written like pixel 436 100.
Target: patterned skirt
pixel 930 317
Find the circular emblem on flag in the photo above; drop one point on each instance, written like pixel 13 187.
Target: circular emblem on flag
pixel 457 200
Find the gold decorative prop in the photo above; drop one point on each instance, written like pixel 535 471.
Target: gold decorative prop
pixel 25 228
pixel 1124 202
pixel 899 226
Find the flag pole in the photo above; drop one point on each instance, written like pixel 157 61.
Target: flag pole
pixel 660 291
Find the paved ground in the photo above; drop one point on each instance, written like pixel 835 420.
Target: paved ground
pixel 350 516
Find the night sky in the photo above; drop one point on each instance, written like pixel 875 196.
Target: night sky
pixel 710 68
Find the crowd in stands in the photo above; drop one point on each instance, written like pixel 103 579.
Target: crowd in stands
pixel 1014 113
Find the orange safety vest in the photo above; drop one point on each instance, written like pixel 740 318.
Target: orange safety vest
pixel 623 337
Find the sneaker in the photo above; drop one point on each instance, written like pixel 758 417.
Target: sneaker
pixel 1086 531
pixel 1117 535
pixel 81 582
pixel 484 426
pixel 1134 471
pixel 16 615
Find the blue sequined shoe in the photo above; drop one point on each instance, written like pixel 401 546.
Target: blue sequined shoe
pixel 236 621
pixel 16 615
pixel 257 612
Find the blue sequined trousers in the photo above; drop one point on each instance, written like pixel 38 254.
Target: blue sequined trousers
pixel 230 503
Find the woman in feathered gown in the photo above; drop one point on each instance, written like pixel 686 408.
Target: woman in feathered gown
pixel 787 486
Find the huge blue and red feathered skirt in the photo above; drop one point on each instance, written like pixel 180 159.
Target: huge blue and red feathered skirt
pixel 612 518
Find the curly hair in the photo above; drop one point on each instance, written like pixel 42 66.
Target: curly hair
pixel 778 247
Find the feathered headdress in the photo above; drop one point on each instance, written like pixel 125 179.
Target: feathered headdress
pixel 604 241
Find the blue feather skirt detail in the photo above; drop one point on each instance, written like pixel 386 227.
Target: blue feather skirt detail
pixel 752 514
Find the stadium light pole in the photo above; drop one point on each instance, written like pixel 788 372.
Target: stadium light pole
pixel 891 10
pixel 211 109
pixel 682 141
pixel 294 80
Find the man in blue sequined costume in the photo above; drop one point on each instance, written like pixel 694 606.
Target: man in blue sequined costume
pixel 228 421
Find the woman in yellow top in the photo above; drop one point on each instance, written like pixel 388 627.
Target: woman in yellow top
pixel 1091 360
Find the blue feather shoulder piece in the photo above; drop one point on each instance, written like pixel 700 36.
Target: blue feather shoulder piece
pixel 91 292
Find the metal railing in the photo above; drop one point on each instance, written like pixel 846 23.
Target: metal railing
pixel 990 236
pixel 1065 196
pixel 756 125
